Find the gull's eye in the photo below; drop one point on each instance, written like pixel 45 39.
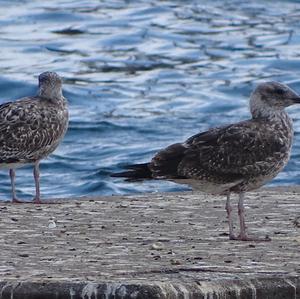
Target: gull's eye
pixel 279 91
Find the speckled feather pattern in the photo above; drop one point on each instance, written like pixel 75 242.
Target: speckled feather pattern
pixel 247 153
pixel 31 128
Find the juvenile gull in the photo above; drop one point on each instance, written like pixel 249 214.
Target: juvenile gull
pixel 234 158
pixel 31 128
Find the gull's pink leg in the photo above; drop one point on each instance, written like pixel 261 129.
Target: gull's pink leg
pixel 228 208
pixel 36 174
pixel 241 210
pixel 243 236
pixel 12 174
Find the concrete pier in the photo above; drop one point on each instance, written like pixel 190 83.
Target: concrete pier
pixel 171 245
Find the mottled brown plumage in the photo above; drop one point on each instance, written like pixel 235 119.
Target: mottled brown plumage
pixel 32 127
pixel 235 158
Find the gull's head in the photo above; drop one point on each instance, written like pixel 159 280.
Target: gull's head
pixel 270 98
pixel 50 85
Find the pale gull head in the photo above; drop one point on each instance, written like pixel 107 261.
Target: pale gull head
pixel 50 85
pixel 270 98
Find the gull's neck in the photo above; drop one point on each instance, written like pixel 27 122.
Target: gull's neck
pixel 260 109
pixel 50 92
pixel 274 115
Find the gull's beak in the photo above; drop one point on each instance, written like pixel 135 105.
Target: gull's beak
pixel 296 100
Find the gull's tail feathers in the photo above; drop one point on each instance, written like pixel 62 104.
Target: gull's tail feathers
pixel 136 172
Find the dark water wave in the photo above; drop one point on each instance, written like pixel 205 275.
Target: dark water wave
pixel 140 75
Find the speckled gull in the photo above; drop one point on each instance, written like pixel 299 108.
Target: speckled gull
pixel 31 128
pixel 234 158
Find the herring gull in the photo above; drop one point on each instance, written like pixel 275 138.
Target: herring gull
pixel 31 128
pixel 235 158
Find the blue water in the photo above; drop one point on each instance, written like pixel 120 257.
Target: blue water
pixel 140 75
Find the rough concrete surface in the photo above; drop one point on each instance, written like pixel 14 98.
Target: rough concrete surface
pixel 171 245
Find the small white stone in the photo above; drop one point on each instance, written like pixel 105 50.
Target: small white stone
pixel 51 223
pixel 157 246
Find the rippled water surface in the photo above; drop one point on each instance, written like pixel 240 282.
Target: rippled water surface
pixel 140 75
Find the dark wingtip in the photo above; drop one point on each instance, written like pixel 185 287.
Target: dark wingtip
pixel 137 172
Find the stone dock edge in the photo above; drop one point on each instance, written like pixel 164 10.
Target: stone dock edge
pixel 267 288
pixel 281 281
